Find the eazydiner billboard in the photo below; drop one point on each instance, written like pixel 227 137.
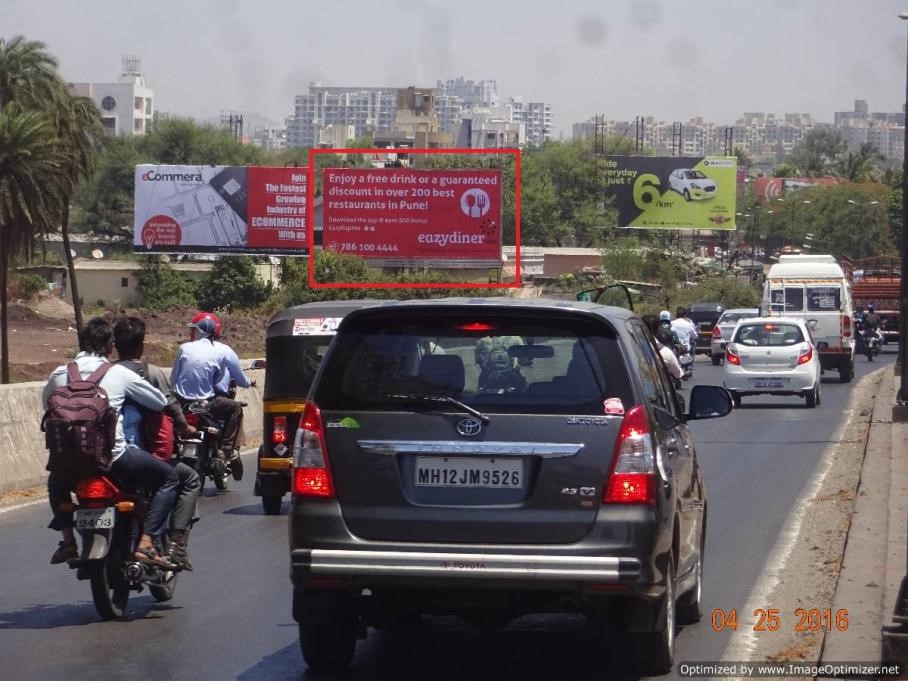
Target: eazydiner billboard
pixel 673 192
pixel 221 210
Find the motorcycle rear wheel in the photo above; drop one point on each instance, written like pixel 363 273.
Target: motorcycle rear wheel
pixel 109 588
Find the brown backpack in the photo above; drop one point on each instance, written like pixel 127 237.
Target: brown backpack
pixel 80 425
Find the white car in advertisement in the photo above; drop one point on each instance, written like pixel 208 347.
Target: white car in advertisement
pixel 692 184
pixel 772 356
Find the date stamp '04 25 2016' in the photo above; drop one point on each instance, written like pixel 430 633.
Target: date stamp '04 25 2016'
pixel 773 619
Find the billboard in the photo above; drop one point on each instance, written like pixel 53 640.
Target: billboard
pixel 769 188
pixel 400 217
pixel 220 209
pixel 673 192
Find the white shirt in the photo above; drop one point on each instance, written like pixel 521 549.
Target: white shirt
pixel 685 329
pixel 671 361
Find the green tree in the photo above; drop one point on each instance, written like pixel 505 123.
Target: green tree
pixel 817 154
pixel 162 287
pixel 861 165
pixel 184 142
pixel 30 158
pixel 232 283
pixel 105 203
pixel 562 202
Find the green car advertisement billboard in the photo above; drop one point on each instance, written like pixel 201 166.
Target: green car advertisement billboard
pixel 673 192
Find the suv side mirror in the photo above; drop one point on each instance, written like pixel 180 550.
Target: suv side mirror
pixel 708 402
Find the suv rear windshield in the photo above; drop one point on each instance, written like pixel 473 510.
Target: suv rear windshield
pixel 494 362
pixel 769 335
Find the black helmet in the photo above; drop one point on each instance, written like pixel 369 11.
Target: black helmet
pixel 870 307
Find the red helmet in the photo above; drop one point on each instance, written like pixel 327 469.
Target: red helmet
pixel 207 324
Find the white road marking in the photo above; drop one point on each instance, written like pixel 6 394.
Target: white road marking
pixel 744 640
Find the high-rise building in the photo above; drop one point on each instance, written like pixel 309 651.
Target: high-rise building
pixel 367 109
pixel 127 106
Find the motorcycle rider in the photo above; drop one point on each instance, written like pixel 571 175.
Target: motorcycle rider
pixel 665 322
pixel 203 370
pixel 686 329
pixel 129 340
pixel 133 466
pixel 871 323
pixel 664 339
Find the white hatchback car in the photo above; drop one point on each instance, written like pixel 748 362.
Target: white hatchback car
pixel 772 356
pixel 692 184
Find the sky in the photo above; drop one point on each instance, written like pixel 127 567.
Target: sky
pixel 672 59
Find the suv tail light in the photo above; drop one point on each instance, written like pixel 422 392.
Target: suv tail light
pixel 846 326
pixel 633 478
pixel 311 474
pixel 717 333
pixel 731 356
pixel 279 430
pixel 805 355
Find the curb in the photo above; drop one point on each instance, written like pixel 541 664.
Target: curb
pixel 874 560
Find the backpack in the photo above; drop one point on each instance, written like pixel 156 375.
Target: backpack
pixel 80 426
pixel 157 427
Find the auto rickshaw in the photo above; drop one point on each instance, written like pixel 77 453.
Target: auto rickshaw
pixel 295 342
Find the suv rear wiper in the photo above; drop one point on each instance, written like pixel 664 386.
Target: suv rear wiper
pixel 441 398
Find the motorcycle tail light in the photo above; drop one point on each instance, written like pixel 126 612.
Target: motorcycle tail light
pixel 192 419
pixel 95 489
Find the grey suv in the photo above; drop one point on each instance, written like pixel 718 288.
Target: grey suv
pixel 494 458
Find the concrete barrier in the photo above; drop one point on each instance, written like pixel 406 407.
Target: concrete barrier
pixel 22 451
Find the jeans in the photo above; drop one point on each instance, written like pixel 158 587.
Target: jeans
pixel 231 414
pixel 188 491
pixel 137 468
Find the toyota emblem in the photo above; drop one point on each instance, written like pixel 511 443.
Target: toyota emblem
pixel 469 427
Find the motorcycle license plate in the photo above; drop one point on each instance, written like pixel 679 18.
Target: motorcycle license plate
pixel 95 518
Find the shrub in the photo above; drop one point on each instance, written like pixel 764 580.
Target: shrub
pixel 162 287
pixel 28 286
pixel 232 283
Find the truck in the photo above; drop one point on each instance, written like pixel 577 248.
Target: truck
pixel 817 289
pixel 878 281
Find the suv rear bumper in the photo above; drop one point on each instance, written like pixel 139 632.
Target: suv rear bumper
pixel 394 564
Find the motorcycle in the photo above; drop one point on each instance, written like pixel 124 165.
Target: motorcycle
pixel 109 521
pixel 203 451
pixel 871 343
pixel 686 360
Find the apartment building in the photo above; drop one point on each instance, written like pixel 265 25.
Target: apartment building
pixel 126 106
pixel 367 109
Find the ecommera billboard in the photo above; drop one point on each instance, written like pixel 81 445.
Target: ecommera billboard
pixel 673 192
pixel 221 210
pixel 399 216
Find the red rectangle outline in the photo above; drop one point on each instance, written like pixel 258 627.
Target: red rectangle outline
pixel 310 218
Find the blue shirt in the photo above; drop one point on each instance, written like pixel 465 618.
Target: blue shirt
pixel 119 382
pixel 203 368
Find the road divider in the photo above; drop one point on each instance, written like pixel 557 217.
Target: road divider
pixel 22 451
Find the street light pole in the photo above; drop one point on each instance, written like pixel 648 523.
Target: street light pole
pixel 902 395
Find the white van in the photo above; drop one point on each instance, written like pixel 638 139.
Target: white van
pixel 815 288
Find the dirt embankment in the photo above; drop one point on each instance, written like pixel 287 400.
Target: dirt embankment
pixel 42 338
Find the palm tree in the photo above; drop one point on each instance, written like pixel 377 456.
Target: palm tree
pixel 28 74
pixel 81 136
pixel 30 158
pixel 862 165
pixel 29 193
